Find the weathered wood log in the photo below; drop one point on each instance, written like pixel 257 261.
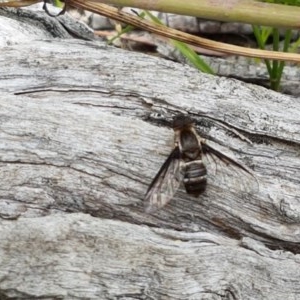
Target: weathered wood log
pixel 80 143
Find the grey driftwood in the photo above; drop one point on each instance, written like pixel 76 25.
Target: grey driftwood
pixel 83 133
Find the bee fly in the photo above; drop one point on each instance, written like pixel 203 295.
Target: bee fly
pixel 184 164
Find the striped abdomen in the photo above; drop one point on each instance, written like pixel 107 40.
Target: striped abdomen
pixel 195 177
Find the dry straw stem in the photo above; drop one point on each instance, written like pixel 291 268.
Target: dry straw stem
pixel 17 3
pixel 244 11
pixel 118 15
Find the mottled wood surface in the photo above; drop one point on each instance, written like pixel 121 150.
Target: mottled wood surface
pixel 76 256
pixel 80 143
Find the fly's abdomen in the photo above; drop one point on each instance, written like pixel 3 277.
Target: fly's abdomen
pixel 195 177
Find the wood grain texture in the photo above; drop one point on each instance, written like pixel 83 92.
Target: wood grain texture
pixel 80 257
pixel 80 143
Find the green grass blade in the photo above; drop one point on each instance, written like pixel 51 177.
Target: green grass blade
pixel 261 45
pixel 126 29
pixel 192 57
pixel 186 51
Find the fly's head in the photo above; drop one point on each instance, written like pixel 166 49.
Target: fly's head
pixel 182 121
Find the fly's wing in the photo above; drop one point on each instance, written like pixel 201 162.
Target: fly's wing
pixel 224 170
pixel 165 183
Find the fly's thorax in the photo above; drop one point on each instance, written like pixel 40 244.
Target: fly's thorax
pixel 189 143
